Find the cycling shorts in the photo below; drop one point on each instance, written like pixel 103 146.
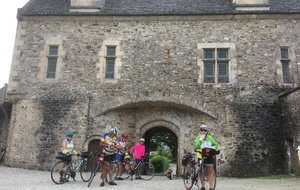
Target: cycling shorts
pixel 109 158
pixel 119 158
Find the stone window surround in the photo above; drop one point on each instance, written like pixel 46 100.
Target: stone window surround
pixel 43 65
pixel 101 65
pixel 232 64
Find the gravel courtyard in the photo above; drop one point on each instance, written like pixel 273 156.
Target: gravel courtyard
pixel 21 179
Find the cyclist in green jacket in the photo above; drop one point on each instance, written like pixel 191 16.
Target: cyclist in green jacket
pixel 204 140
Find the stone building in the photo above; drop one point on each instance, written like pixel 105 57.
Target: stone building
pixel 155 65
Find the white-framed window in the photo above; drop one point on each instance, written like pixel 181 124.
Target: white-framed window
pixel 217 63
pixel 285 64
pixel 110 60
pixel 52 61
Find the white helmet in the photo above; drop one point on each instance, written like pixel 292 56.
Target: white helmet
pixel 114 130
pixel 142 140
pixel 203 126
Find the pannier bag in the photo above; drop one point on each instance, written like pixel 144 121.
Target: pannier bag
pixel 186 158
pixel 209 152
pixel 63 157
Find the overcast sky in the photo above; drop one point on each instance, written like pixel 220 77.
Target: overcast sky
pixel 8 16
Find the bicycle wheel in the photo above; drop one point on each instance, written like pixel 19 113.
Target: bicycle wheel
pixel 125 173
pixel 94 174
pixel 85 171
pixel 209 180
pixel 57 172
pixel 146 171
pixel 188 175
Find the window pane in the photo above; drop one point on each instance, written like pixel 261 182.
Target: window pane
pixel 222 54
pixel 209 73
pixel 223 73
pixel 111 51
pixel 53 50
pixel 286 72
pixel 209 54
pixel 51 67
pixel 223 69
pixel 110 68
pixel 284 54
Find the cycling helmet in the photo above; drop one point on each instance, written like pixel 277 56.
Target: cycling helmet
pixel 203 126
pixel 114 130
pixel 142 140
pixel 69 134
pixel 125 136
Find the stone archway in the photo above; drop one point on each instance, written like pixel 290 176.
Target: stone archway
pixel 151 128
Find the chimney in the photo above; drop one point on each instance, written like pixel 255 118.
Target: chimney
pixel 251 5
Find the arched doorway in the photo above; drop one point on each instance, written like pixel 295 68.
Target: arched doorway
pixel 162 136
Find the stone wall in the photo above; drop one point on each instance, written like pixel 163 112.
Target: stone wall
pixel 159 82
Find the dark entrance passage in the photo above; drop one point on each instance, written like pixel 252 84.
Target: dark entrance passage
pixel 162 136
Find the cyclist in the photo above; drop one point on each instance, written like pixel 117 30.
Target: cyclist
pixel 139 152
pixel 109 144
pixel 121 145
pixel 204 140
pixel 68 149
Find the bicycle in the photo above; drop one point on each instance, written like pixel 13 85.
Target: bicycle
pixel 193 169
pixel 99 167
pixel 2 153
pixel 71 167
pixel 144 170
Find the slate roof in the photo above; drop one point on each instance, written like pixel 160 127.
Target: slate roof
pixel 154 7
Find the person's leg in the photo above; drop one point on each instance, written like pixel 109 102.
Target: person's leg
pixel 210 175
pixel 110 169
pixel 120 164
pixel 103 175
pixel 137 161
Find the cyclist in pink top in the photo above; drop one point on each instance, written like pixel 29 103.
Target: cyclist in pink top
pixel 139 152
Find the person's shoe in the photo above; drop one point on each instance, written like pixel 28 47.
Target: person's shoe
pixel 137 177
pixel 210 188
pixel 112 183
pixel 119 178
pixel 203 188
pixel 102 184
pixel 66 180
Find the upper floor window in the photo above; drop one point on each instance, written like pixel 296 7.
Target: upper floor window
pixel 110 62
pixel 52 61
pixel 285 63
pixel 216 67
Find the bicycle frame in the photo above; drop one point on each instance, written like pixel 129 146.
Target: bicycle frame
pixel 147 167
pixel 73 169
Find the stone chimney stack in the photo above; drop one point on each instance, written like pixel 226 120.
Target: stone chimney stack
pixel 251 5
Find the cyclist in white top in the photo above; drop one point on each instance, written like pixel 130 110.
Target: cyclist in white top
pixel 68 149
